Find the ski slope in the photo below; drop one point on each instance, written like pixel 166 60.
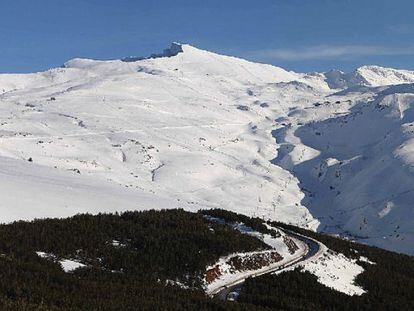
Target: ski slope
pixel 193 129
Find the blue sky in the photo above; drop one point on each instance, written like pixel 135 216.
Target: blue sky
pixel 301 35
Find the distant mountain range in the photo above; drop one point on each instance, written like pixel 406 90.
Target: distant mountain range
pixel 193 129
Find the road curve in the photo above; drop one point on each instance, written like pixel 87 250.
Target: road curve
pixel 314 250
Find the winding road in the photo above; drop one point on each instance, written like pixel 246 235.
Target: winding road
pixel 314 249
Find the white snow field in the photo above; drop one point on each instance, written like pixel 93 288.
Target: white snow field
pixel 195 129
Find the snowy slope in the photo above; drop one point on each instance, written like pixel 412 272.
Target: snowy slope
pixel 368 76
pixel 171 129
pixel 194 129
pixel 354 158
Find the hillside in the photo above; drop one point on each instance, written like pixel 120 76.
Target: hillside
pixel 112 261
pixel 159 260
pixel 193 129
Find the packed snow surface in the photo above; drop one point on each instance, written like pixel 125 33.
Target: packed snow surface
pixel 193 129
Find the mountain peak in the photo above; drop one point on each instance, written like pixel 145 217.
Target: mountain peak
pixel 174 49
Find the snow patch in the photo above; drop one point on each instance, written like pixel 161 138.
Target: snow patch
pixel 386 210
pixel 68 265
pixel 336 271
pixel 365 259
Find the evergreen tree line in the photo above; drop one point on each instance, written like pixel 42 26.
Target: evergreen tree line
pixel 130 257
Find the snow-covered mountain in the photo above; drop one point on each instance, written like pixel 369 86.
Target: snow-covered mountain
pixel 193 129
pixel 368 76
